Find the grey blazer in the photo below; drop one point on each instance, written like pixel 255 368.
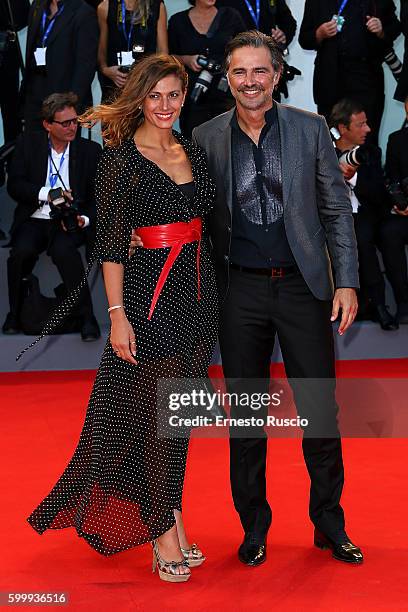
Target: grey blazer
pixel 317 209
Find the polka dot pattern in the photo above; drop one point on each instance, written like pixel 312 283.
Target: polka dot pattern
pixel 123 481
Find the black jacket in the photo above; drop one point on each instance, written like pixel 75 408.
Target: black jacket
pixel 402 88
pixel 20 9
pixel 280 16
pixel 326 63
pixel 396 164
pixel 28 170
pixel 72 49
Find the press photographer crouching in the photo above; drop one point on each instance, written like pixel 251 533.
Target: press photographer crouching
pixel 51 178
pixel 362 170
pixel 394 230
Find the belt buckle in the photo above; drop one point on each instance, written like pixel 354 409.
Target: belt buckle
pixel 277 272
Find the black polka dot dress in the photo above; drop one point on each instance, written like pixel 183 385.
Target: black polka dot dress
pixel 123 481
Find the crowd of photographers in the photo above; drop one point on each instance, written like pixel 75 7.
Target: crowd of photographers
pixel 52 170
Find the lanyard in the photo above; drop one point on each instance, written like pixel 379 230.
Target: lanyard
pixel 342 7
pixel 127 35
pixel 256 17
pixel 46 32
pixel 54 176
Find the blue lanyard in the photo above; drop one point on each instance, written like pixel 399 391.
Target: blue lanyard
pixel 46 32
pixel 256 17
pixel 52 176
pixel 127 35
pixel 342 7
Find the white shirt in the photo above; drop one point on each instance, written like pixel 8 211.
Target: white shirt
pixel 43 212
pixel 351 183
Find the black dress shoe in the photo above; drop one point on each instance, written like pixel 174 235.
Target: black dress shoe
pixel 384 318
pixel 342 549
pixel 11 325
pixel 402 313
pixel 90 329
pixel 252 551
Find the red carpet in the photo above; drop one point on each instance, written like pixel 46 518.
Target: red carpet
pixel 41 417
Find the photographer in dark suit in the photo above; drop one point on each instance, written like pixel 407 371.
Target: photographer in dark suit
pixel 369 199
pixel 61 54
pixel 10 64
pixel 394 230
pixel 43 163
pixel 351 39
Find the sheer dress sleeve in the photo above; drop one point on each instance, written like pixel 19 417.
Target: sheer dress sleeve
pixel 114 208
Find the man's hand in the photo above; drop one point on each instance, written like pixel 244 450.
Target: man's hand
pixel 346 299
pixel 278 36
pixel 402 213
pixel 348 171
pixel 326 30
pixel 374 26
pixel 135 242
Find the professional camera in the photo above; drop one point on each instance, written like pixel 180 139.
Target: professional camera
pixel 210 68
pixel 136 53
pixel 61 209
pixel 357 156
pixel 398 193
pixel 288 74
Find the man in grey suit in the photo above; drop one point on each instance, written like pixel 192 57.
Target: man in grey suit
pixel 281 224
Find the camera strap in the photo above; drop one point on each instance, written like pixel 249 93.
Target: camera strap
pixel 53 176
pixel 213 29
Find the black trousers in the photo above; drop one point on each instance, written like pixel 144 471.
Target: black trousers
pixel 367 226
pixel 35 236
pixel 362 81
pixel 393 238
pixel 255 310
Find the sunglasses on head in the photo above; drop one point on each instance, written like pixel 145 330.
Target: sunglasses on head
pixel 67 122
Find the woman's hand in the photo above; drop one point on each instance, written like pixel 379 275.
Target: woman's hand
pixel 122 336
pixel 116 75
pixel 191 62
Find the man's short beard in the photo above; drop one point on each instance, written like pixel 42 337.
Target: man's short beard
pixel 266 100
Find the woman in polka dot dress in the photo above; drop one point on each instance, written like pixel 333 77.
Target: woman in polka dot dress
pixel 123 485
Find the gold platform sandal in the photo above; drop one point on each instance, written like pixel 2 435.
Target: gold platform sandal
pixel 168 569
pixel 193 555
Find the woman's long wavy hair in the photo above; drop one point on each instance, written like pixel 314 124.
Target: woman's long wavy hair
pixel 121 118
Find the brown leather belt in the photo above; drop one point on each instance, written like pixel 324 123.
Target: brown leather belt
pixel 272 272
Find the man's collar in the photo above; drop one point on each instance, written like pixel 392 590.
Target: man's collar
pixel 271 115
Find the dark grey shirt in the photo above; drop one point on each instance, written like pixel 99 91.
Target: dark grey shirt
pixel 258 231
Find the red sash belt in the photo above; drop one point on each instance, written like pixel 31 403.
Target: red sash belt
pixel 173 235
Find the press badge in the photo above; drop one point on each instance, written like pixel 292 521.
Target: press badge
pixel 39 55
pixel 125 58
pixel 339 19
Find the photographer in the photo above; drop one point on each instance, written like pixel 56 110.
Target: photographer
pixel 198 37
pixel 61 52
pixel 351 39
pixel 274 18
pixel 361 167
pixel 394 230
pixel 52 178
pixel 10 63
pixel 129 30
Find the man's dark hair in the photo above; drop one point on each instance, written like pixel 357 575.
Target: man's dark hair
pixel 256 40
pixel 57 102
pixel 192 2
pixel 343 110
